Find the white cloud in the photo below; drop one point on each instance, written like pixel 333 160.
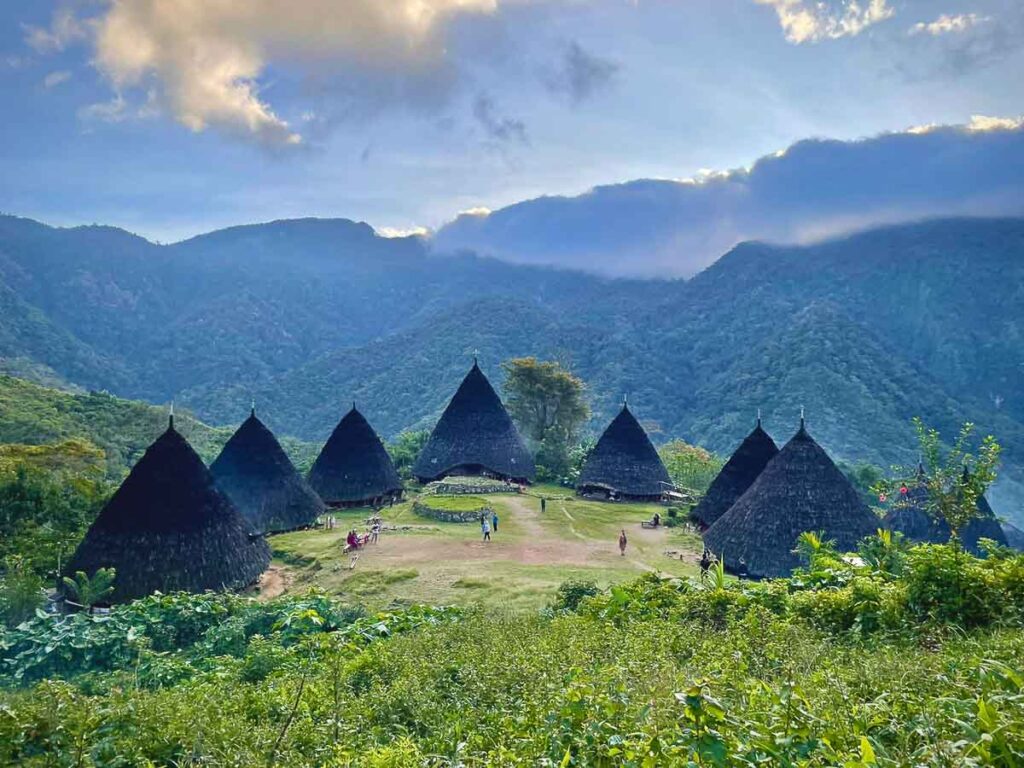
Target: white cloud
pixel 113 111
pixel 946 24
pixel 205 57
pixel 64 30
pixel 983 123
pixel 402 231
pixel 977 124
pixel 54 79
pixel 809 21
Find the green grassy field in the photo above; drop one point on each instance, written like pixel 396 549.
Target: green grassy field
pixel 454 503
pixel 530 554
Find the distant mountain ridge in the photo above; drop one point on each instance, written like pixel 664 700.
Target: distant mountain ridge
pixel 865 331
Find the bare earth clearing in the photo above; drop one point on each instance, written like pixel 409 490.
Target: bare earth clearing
pixel 529 556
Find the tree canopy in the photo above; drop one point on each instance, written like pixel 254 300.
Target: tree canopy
pixel 548 404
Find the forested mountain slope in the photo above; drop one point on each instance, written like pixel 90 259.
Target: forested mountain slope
pixel 34 415
pixel 864 331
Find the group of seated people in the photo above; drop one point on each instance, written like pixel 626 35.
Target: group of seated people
pixel 356 540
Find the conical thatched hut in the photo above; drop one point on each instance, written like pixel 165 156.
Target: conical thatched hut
pixel 1014 536
pixel 624 464
pixel 169 527
pixel 475 436
pixel 354 468
pixel 911 518
pixel 738 474
pixel 257 475
pixel 800 490
pixel 986 526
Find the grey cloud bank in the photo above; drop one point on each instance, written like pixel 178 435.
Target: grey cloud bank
pixel 816 188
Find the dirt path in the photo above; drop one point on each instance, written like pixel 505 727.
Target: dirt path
pixel 275 581
pixel 540 547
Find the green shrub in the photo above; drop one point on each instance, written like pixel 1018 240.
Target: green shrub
pixel 572 592
pixel 574 690
pixel 832 609
pixel 21 591
pixel 949 586
pixel 851 665
pixel 262 657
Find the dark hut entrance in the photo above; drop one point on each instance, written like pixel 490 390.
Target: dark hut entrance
pixel 800 490
pixel 475 436
pixel 257 475
pixel 739 473
pixel 353 468
pixel 170 528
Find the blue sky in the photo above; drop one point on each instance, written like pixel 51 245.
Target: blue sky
pixel 173 118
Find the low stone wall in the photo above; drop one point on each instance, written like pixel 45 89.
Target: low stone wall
pixel 450 516
pixel 466 486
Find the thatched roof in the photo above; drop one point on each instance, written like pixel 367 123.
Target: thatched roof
pixel 800 490
pixel 257 475
pixel 738 474
pixel 475 433
pixel 169 527
pixel 910 517
pixel 624 461
pixel 1014 536
pixel 353 465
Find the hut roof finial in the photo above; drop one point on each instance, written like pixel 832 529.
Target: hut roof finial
pixel 252 408
pixel 759 417
pixel 802 421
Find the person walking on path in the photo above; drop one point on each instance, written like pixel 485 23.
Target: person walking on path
pixel 494 522
pixel 622 542
pixel 543 505
pixel 485 526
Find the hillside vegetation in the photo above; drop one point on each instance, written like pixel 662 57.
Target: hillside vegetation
pixel 864 331
pixel 31 414
pixel 885 664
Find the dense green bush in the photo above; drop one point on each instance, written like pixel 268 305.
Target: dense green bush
pixel 936 585
pixel 21 591
pixel 572 592
pixel 44 514
pixel 843 665
pixel 572 690
pixel 196 628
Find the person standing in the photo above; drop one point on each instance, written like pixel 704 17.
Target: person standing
pixel 494 522
pixel 543 505
pixel 705 563
pixel 622 542
pixel 486 527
